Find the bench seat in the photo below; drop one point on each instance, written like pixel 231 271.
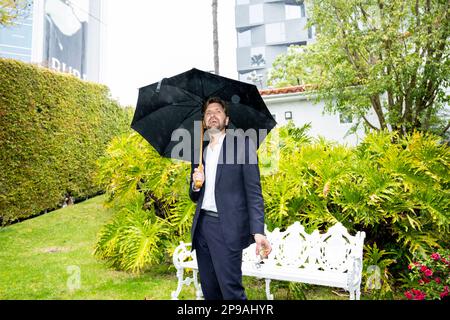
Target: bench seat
pixel 333 259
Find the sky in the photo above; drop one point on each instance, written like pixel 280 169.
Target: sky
pixel 148 40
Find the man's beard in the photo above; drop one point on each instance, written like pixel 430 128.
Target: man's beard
pixel 217 127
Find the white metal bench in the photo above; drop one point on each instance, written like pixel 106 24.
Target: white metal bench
pixel 333 259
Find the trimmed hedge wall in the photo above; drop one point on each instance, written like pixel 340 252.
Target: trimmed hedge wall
pixel 53 128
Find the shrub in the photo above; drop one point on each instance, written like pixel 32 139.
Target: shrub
pixel 151 198
pixel 395 189
pixel 53 129
pixel 133 239
pixel 429 277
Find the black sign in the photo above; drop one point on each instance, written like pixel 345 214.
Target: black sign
pixel 65 39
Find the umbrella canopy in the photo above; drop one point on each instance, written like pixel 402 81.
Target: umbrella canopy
pixel 176 103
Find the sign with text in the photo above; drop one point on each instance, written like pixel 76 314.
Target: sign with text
pixel 66 36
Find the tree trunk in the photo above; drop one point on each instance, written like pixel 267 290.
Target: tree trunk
pixel 215 37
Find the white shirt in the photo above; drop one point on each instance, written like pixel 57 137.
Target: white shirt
pixel 212 158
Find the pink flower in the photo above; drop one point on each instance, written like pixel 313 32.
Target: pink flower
pixel 430 277
pixel 444 293
pixel 416 291
pixel 428 272
pixel 420 295
pixel 435 256
pixel 426 280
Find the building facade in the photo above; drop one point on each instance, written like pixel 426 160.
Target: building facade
pixel 16 41
pixel 265 29
pixel 67 36
pixel 296 104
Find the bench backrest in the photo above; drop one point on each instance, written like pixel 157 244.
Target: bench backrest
pixel 294 248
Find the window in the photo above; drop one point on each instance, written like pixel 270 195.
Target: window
pixel 245 38
pixel 256 14
pixel 257 56
pixel 255 78
pixel 288 115
pixel 275 32
pixel 245 77
pixel 292 12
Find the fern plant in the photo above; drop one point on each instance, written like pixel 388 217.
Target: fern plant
pixel 134 239
pixel 395 189
pixel 377 280
pixel 146 191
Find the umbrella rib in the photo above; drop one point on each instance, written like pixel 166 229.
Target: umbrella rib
pixel 234 85
pixel 188 93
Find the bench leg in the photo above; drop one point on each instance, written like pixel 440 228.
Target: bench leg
pixel 268 294
pixel 180 276
pixel 355 294
pixel 352 294
pixel 198 289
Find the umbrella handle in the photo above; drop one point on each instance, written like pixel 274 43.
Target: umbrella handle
pixel 199 183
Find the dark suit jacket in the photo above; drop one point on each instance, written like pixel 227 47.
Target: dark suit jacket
pixel 238 193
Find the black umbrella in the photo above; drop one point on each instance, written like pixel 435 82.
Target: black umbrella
pixel 176 103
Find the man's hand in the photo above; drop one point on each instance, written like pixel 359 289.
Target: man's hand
pixel 263 247
pixel 198 177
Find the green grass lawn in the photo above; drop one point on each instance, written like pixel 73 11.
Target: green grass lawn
pixel 41 257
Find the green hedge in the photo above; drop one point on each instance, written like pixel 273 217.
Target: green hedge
pixel 53 129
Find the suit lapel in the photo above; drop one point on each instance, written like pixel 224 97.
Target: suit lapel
pixel 221 162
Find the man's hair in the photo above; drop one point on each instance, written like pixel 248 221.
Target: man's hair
pixel 215 100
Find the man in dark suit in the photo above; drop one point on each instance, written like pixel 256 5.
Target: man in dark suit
pixel 230 207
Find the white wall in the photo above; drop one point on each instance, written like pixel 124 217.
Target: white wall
pixel 37 45
pixel 305 111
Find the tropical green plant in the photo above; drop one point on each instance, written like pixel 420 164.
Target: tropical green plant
pixel 133 239
pixel 377 281
pixel 134 173
pixel 396 192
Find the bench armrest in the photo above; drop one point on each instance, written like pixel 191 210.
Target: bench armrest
pixel 183 253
